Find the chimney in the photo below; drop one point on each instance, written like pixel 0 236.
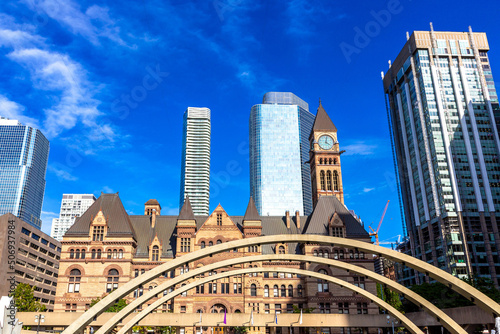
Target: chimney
pixel 287 214
pixel 153 218
pixel 297 218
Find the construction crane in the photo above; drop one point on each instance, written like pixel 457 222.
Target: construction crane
pixel 375 233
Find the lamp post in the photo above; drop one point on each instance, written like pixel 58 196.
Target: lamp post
pixel 38 319
pixel 393 321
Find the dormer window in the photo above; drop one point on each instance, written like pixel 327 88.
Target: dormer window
pixel 156 253
pixel 98 233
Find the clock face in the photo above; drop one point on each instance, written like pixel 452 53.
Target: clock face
pixel 325 142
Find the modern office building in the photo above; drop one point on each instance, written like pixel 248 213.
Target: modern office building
pixel 195 168
pixel 280 178
pixel 72 207
pixel 442 114
pixel 24 152
pixel 36 259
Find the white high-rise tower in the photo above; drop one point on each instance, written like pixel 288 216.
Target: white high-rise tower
pixel 72 207
pixel 195 169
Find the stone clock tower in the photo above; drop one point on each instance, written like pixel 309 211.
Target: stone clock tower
pixel 324 158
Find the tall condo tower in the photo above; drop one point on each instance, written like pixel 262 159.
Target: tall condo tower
pixel 442 107
pixel 24 152
pixel 195 169
pixel 280 179
pixel 72 207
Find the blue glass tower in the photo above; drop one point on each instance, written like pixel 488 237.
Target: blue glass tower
pixel 24 152
pixel 280 179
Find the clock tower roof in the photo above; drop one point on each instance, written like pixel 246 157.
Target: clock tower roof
pixel 322 121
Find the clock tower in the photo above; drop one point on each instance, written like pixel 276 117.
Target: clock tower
pixel 324 158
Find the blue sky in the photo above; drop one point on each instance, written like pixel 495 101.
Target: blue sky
pixel 108 82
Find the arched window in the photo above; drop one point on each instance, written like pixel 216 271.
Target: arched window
pixel 253 290
pixel 120 254
pixel 219 242
pixel 275 292
pixel 330 161
pixel 77 254
pixel 322 284
pixel 325 254
pixel 329 180
pixel 112 281
pixel 99 253
pixel 155 253
pixel 281 250
pixel 320 253
pixel 320 161
pixel 74 280
pixel 83 254
pixel 93 253
pixel 283 291
pixel 299 290
pixel 336 254
pixel 115 254
pixel 351 254
pixel 210 243
pixel 290 291
pixel 266 291
pixel 341 254
pixel 71 253
pixel 335 161
pixel 202 244
pixel 361 255
pixel 109 253
pixel 315 253
pixel 335 181
pixel 356 255
pixel 322 179
pixel 184 294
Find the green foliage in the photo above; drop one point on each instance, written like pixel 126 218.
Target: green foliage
pixel 117 307
pixel 390 297
pixel 240 330
pixel 443 297
pixel 25 300
pixel 296 309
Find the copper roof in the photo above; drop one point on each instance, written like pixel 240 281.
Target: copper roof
pixel 322 121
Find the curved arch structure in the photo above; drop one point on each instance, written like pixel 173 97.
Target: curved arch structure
pixel 404 320
pixel 442 317
pixel 454 283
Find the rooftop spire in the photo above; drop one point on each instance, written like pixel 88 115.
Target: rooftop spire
pixel 322 121
pixel 251 213
pixel 186 211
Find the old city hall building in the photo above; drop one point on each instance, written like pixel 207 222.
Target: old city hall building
pixel 106 247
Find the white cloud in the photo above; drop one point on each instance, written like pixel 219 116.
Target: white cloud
pixel 367 190
pixel 92 25
pixel 108 190
pixel 360 148
pixel 61 173
pixel 14 110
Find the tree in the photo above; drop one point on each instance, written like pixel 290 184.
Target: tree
pixel 390 297
pixel 117 307
pixel 25 300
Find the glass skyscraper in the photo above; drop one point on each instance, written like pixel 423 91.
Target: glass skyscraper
pixel 195 169
pixel 280 179
pixel 442 112
pixel 24 153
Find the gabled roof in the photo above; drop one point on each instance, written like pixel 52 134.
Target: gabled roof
pixel 186 211
pixel 323 121
pixel 251 213
pixel 323 212
pixel 117 219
